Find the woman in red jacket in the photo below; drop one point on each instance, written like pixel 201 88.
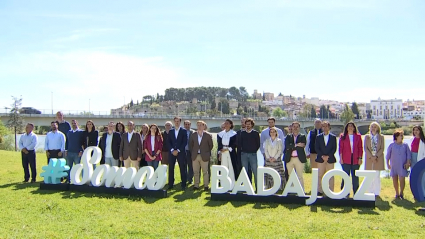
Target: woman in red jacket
pixel 351 153
pixel 153 146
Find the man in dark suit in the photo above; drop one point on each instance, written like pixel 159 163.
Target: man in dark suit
pixel 189 131
pixel 200 146
pixel 177 140
pixel 131 147
pixel 295 157
pixel 110 145
pixel 325 148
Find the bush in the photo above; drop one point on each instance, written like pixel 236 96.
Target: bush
pixel 307 167
pixel 8 143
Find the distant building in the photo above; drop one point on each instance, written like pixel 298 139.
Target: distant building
pixel 268 96
pixel 257 95
pixel 386 109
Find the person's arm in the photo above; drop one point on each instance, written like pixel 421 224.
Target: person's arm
pixel 389 151
pixel 21 143
pixel 317 146
pixel 409 155
pixel 266 149
pixel 191 141
pixel 210 143
pixel 282 137
pixel 184 142
pixel 232 142
pixel 257 141
pixel 307 144
pixel 366 148
pixel 96 140
pixel 262 140
pixel 219 144
pixel 278 154
pixel 63 142
pixel 382 146
pixel 145 148
pixel 46 142
pixel 139 147
pixel 360 147
pixel 333 149
pixel 341 149
pixel 121 147
pixel 160 145
pixel 170 141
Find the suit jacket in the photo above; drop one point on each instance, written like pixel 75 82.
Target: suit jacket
pixel 147 145
pixel 345 149
pixel 132 149
pixel 325 150
pixel 379 153
pixel 205 147
pixel 290 146
pixel 178 143
pixel 116 143
pixel 273 150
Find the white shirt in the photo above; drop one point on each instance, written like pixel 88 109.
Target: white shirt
pixel 326 138
pixel 28 141
pixel 130 135
pixel 351 141
pixel 176 132
pixel 108 146
pixel 199 140
pixel 225 138
pixel 153 142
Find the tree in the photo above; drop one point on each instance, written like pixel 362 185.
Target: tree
pixel 278 113
pixel 223 106
pixel 243 93
pixel 131 103
pixel 16 121
pixel 313 112
pixel 213 104
pixel 323 114
pixel 239 111
pixel 3 131
pixel 355 110
pixel 347 115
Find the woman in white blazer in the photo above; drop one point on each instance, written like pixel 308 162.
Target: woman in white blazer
pixel 417 145
pixel 273 151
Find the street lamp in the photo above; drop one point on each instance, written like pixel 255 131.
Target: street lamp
pixel 52 100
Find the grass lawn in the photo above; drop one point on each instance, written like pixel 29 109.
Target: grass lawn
pixel 27 212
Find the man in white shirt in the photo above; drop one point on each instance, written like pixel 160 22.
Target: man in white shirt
pixel 110 145
pixel 27 144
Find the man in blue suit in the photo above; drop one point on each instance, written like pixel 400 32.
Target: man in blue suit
pixel 177 140
pixel 325 148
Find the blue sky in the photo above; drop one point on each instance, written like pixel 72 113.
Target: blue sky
pixel 108 51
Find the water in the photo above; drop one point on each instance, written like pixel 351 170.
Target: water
pixel 388 141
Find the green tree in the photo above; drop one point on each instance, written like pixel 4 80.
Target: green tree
pixel 131 103
pixel 239 111
pixel 347 115
pixel 16 122
pixel 313 112
pixel 213 104
pixel 223 106
pixel 279 113
pixel 355 110
pixel 3 131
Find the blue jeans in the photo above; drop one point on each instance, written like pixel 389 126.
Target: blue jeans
pixel 414 160
pixel 249 160
pixel 71 159
pixel 153 164
pixel 351 169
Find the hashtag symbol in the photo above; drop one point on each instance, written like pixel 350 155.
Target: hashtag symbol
pixel 54 171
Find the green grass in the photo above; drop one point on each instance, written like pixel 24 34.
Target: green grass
pixel 27 212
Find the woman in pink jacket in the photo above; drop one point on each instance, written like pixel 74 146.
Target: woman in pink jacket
pixel 153 146
pixel 351 153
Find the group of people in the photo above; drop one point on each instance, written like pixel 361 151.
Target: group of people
pixel 237 150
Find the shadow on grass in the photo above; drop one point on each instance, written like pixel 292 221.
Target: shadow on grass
pixel 336 209
pixel 260 205
pixel 20 185
pixel 211 203
pixel 187 195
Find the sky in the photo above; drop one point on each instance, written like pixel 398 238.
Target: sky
pixel 96 55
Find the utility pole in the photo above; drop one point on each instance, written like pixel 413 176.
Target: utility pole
pixel 52 100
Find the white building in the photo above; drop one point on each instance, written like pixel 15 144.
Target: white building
pixel 420 114
pixel 386 109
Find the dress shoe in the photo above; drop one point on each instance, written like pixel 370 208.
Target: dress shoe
pixel 33 181
pixel 25 181
pixel 206 189
pixel 195 188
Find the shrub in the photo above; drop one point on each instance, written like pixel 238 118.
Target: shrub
pixel 8 143
pixel 307 167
